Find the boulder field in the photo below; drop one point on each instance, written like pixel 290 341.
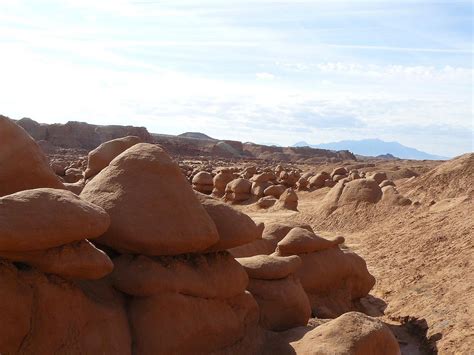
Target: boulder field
pixel 136 262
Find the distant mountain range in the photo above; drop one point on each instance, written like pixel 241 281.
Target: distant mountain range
pixel 375 147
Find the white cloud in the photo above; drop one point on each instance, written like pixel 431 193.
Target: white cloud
pixel 265 76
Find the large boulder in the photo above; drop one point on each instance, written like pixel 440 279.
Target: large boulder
pixel 101 156
pixel 220 180
pixel 378 176
pixel 361 190
pixel 282 300
pixel 203 182
pixel 339 171
pixel 318 180
pixel 274 190
pixel 152 207
pixel 46 218
pixel 352 192
pixel 238 190
pixel 346 280
pixel 352 333
pixel 226 220
pixel 23 164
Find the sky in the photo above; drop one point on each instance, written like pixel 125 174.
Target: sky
pixel 261 71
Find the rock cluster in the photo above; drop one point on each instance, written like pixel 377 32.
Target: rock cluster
pixel 139 263
pixel 175 273
pixel 346 278
pixel 267 187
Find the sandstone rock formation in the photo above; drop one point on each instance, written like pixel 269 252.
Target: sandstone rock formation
pixel 352 333
pixel 147 197
pixel 238 190
pixel 23 164
pixel 203 182
pixel 101 156
pixel 281 298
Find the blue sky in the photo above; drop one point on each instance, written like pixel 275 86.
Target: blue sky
pixel 262 71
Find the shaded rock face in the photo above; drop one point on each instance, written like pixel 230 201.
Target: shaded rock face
pixel 280 296
pixel 22 163
pixel 47 315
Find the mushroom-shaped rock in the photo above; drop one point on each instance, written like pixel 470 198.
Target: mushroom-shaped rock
pixel 79 260
pixel 318 180
pixel 352 333
pixel 258 188
pixel 101 156
pixel 45 218
pixel 378 176
pixel 280 296
pixel 263 177
pixel 152 207
pixel 234 227
pixel 23 164
pixel 203 182
pixel 270 267
pixel 220 180
pixel 274 190
pixel 299 241
pixel 238 190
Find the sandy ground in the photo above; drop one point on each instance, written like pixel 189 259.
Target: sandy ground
pixel 422 257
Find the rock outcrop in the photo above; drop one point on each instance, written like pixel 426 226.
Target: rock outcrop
pixel 22 163
pixel 145 186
